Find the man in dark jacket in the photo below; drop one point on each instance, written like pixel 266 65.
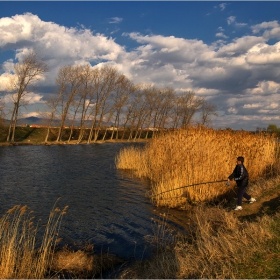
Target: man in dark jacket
pixel 241 177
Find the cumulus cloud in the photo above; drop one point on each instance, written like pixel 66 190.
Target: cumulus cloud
pixel 237 75
pixel 221 34
pixel 56 41
pixel 265 25
pixel 265 88
pixel 30 98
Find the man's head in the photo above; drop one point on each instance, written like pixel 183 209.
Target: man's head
pixel 240 160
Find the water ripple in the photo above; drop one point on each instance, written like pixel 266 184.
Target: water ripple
pixel 107 207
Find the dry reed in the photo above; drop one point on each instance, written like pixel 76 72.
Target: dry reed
pixel 216 244
pixel 21 253
pixel 197 155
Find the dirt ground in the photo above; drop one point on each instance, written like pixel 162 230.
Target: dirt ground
pixel 267 204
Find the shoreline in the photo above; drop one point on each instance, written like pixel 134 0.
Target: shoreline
pixel 73 142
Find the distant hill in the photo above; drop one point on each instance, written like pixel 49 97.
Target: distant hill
pixel 44 121
pixel 31 120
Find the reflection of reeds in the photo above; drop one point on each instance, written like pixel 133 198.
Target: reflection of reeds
pixel 21 255
pixel 194 156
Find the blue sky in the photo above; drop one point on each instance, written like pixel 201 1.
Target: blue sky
pixel 227 52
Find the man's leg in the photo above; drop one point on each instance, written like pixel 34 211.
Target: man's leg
pixel 247 196
pixel 240 193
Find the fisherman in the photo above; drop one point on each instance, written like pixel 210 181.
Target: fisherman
pixel 241 177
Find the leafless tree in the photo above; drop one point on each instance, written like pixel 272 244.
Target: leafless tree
pixel 185 107
pixel 69 81
pixel 124 88
pixel 2 114
pixel 104 85
pixel 136 113
pixel 88 91
pixel 26 73
pixel 52 103
pixel 208 109
pixel 166 96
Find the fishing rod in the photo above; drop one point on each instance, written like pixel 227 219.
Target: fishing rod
pixel 196 184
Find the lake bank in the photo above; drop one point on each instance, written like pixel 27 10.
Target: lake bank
pixel 37 135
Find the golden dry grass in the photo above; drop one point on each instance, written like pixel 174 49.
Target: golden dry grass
pixel 197 155
pixel 81 263
pixel 72 262
pixel 214 247
pixel 22 254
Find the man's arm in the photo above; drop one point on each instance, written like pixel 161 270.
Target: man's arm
pixel 240 174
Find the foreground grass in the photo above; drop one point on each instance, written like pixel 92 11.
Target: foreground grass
pixel 22 253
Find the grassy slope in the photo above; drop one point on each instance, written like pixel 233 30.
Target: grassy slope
pixel 25 135
pixel 266 264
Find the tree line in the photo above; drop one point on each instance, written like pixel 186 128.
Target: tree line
pixel 94 97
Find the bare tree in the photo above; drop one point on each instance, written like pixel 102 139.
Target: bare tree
pixel 86 96
pixel 26 73
pixel 104 85
pixel 2 120
pixel 207 109
pixel 52 103
pixel 69 81
pixel 186 105
pixel 124 88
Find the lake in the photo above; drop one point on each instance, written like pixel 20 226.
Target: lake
pixel 107 207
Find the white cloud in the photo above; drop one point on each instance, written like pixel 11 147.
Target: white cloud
pixel 240 45
pixel 57 41
pixel 230 20
pixel 221 34
pixel 232 110
pixel 31 114
pixel 241 24
pixel 115 20
pixel 5 81
pixel 252 106
pixel 265 87
pixel 223 6
pixel 238 75
pixel 30 98
pixel 271 29
pixel 265 25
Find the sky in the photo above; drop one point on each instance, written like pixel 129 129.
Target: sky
pixel 227 52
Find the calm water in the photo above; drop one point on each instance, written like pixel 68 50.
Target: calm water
pixel 107 207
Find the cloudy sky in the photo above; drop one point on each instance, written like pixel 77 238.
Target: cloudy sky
pixel 226 52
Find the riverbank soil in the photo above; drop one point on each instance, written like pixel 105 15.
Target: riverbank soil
pixel 267 204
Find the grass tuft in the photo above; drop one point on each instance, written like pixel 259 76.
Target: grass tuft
pixel 22 253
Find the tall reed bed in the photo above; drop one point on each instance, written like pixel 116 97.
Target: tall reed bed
pixel 193 156
pixel 22 255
